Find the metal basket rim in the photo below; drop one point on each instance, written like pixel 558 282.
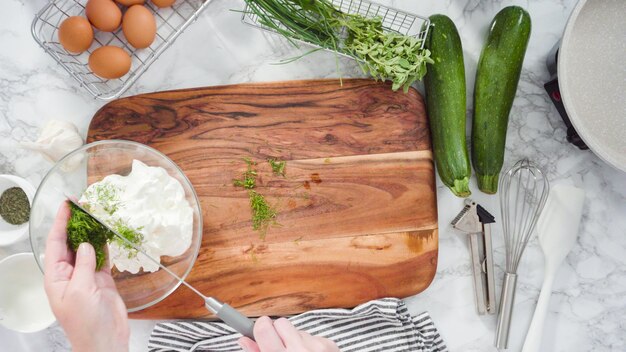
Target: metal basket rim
pixel 426 23
pixel 116 93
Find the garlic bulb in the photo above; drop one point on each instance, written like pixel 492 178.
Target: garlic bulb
pixel 57 138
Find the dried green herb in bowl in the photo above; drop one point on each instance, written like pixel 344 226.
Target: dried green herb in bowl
pixel 14 206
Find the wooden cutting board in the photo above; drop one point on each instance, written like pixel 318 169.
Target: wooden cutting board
pixel 357 208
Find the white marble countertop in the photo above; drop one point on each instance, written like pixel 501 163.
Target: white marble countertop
pixel 587 310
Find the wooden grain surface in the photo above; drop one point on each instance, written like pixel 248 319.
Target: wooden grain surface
pixel 357 208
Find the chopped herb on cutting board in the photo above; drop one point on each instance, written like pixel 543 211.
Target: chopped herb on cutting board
pixel 278 166
pixel 248 180
pixel 263 214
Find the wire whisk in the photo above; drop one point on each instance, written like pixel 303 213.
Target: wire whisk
pixel 523 193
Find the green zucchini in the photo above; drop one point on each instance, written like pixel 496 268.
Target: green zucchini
pixel 497 76
pixel 446 104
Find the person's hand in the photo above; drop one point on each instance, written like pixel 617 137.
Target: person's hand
pixel 281 336
pixel 86 303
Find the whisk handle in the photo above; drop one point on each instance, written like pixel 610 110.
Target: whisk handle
pixel 507 298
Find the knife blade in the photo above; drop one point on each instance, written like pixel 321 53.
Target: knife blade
pixel 228 314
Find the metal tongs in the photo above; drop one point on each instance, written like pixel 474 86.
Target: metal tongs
pixel 475 221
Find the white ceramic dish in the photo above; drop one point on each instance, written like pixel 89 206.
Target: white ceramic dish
pixel 23 302
pixel 592 76
pixel 10 234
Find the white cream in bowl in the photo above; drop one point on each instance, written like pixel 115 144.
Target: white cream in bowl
pixel 24 305
pixel 147 200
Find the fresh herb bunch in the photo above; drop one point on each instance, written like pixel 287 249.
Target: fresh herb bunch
pixel 384 55
pixel 387 55
pixel 81 227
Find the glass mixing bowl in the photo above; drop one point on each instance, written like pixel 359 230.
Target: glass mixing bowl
pixel 89 164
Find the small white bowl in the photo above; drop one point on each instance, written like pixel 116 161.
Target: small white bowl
pixel 24 305
pixel 9 233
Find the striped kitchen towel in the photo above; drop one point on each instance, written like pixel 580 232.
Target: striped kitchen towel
pixel 380 325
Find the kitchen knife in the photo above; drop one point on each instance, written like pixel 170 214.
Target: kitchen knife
pixel 228 314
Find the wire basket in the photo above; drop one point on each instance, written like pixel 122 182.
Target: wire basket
pixel 393 20
pixel 171 22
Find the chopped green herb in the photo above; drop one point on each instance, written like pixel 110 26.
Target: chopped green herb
pixel 263 215
pixel 104 195
pixel 249 162
pixel 278 166
pixel 81 227
pixel 132 235
pixel 248 180
pixel 14 206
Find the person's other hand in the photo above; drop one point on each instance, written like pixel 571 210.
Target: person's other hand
pixel 281 336
pixel 86 303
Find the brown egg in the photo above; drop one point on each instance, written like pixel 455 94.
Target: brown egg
pixel 75 34
pixel 139 26
pixel 131 2
pixel 103 14
pixel 163 3
pixel 109 62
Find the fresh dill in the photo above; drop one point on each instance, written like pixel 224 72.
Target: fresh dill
pixel 263 215
pixel 132 235
pixel 278 166
pixel 248 180
pixel 104 195
pixel 81 227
